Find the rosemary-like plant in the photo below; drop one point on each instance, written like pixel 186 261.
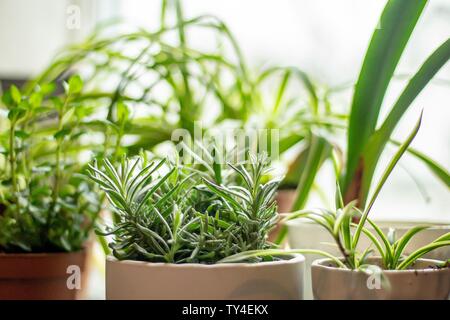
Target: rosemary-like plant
pixel 166 212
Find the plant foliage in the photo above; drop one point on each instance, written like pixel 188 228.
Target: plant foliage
pixel 167 212
pixel 347 233
pixel 46 203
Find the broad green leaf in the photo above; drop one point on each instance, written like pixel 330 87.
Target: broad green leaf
pixel 380 138
pixel 427 71
pixel 396 24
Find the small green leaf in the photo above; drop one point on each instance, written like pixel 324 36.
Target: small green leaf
pixel 21 134
pixel 35 99
pixel 62 133
pixel 15 94
pixel 123 112
pixel 67 116
pixel 47 88
pixel 16 114
pixel 75 84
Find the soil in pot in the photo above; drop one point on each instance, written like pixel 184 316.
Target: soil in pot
pixel 423 281
pixel 41 276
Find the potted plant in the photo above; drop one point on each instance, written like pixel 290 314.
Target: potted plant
pixel 392 274
pixel 356 273
pixel 213 86
pixel 173 223
pixel 366 141
pixel 47 207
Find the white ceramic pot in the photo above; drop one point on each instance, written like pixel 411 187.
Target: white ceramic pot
pixel 234 281
pixel 421 282
pixel 303 234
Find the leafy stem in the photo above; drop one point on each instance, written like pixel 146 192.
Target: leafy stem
pixel 59 141
pixel 12 156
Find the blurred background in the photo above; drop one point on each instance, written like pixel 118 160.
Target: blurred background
pixel 325 38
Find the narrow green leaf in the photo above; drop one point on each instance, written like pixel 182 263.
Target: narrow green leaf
pixel 319 151
pixel 396 24
pixel 384 177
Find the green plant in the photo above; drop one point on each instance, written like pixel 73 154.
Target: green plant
pixel 168 212
pixel 46 203
pixel 365 140
pixel 347 234
pixel 162 61
pixel 365 143
pixel 134 67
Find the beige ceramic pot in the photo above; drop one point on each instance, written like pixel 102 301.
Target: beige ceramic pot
pixel 41 276
pixel 234 281
pixel 304 234
pixel 422 282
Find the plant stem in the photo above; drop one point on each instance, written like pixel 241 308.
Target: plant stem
pixel 12 157
pixel 58 151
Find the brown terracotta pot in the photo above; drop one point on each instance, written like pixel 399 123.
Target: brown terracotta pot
pixel 39 276
pixel 285 199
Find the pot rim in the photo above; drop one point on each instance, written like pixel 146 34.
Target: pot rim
pixel 296 258
pixel 319 264
pixel 383 223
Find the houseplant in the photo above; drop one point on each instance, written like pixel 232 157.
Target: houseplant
pixel 169 83
pixel 47 207
pixel 365 140
pixel 356 274
pixel 405 276
pixel 174 222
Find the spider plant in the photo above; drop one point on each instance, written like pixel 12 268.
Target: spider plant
pixel 168 212
pixel 167 83
pixel 365 141
pixel 347 234
pixel 140 64
pixel 46 204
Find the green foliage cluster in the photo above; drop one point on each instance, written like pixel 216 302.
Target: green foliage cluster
pixel 346 225
pixel 46 203
pixel 168 212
